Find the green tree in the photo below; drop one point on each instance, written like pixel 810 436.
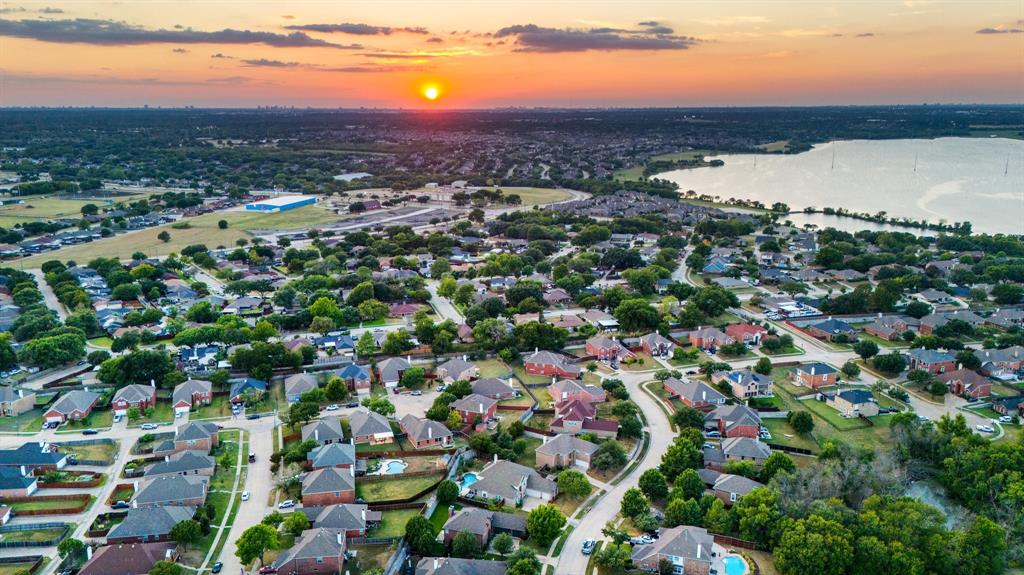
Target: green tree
pixel 70 547
pixel 758 515
pixel 614 556
pixel 688 485
pixel 255 541
pixel 503 543
pixel 360 293
pixel 222 224
pixel 573 483
pixel 680 456
pixel 414 378
pixel 777 462
pixel 634 503
pixel 609 455
pixel 982 548
pixel 653 484
pixel 164 236
pixel 544 523
pixel 851 369
pixel 465 545
pixel 717 519
pixel 419 534
pixel 186 533
pixel 682 512
pixel 763 366
pixel 636 315
pixel 865 348
pixel 166 568
pixel 366 346
pixel 296 523
pixel 800 421
pixel 814 545
pixel 302 413
pixel 447 492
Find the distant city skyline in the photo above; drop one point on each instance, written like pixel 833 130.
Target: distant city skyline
pixel 485 54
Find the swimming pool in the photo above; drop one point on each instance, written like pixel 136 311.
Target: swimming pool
pixel 467 480
pixel 392 467
pixel 734 565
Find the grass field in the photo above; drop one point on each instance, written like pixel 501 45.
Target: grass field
pixel 780 429
pixel 392 488
pixel 43 505
pixel 392 523
pixel 637 172
pixel 97 419
pixel 32 535
pixel 93 451
pixel 43 208
pixel 203 230
pixel 31 420
pixel 537 196
pixel 493 368
pixel 16 568
pixel 219 407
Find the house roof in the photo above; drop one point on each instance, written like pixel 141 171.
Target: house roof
pixel 327 480
pixel 735 484
pixel 390 367
pixel 353 371
pixel 734 415
pixel 167 488
pixel 151 521
pixel 455 368
pixel 930 356
pixel 196 430
pixel 332 455
pixel 184 391
pixel 134 393
pixel 815 368
pixel 182 461
pixel 453 566
pixel 745 447
pixel 77 400
pixel 550 358
pixel 421 429
pixel 314 544
pixel 11 478
pixel 240 386
pixel 128 559
pixel 475 520
pixel 688 542
pixel 299 383
pixel 491 387
pixel 31 454
pixel 565 443
pixel 473 403
pixel 326 429
pixel 857 396
pixel 363 422
pixel 501 478
pixel 832 325
pixel 694 390
pixel 347 516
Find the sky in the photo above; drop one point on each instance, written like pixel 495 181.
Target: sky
pixel 482 53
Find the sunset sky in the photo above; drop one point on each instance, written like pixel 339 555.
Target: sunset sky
pixel 522 53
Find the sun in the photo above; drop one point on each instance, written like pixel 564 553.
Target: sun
pixel 431 92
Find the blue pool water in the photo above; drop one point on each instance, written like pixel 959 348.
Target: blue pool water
pixel 394 467
pixel 734 565
pixel 467 480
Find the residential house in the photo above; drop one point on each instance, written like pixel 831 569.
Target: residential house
pixel 352 518
pixel 494 388
pixel 453 566
pixel 967 383
pixel 734 421
pixel 324 431
pixel 513 483
pixel 425 433
pixel 832 330
pixel 693 393
pixel 338 342
pixel 188 462
pixel 172 490
pixel 1003 363
pixel 814 375
pixel 657 345
pixel 1006 318
pixel 370 427
pixel 566 390
pixel 557 297
pixel 608 349
pixel 245 306
pixel 389 371
pixel 196 435
pixel 328 486
pixel 483 524
pixel 687 548
pixel 934 321
pixel 745 332
pixel 565 450
pixel 457 370
pixel 1009 406
pixel 736 449
pixel 134 395
pixel 73 405
pixel 191 393
pixel 356 377
pixel 551 364
pixel 17 482
pixel 935 296
pixel 317 550
pixel 709 338
pixel 474 408
pixel 14 402
pixel 332 455
pixel 731 488
pixel 246 386
pixel 129 558
pixel 853 403
pixel 32 455
pixel 931 360
pixel 891 327
pixel 578 416
pixel 568 322
pixel 147 524
pixel 298 383
pixel 744 383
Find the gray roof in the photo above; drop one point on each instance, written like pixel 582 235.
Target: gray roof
pixel 473 403
pixel 186 389
pixel 9 394
pixel 363 422
pixel 685 541
pixel 170 488
pixel 195 430
pixel 347 516
pixel 299 383
pixel 694 390
pixel 491 387
pixel 332 455
pixel 455 368
pixel 474 520
pixel 390 367
pixel 453 566
pixel 566 443
pixel 736 484
pixel 502 478
pixel 550 358
pixel 326 429
pixel 419 429
pixel 181 462
pixel 78 399
pixel 734 415
pixel 328 480
pixel 134 393
pixel 930 356
pixel 745 447
pixel 11 478
pixel 313 544
pixel 151 521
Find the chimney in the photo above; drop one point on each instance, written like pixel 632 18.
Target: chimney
pixel 341 539
pixel 435 564
pixel 167 458
pixel 464 357
pixel 21 393
pixel 536 350
pixel 480 406
pixel 362 513
pixel 704 395
pixel 495 458
pixel 23 473
pixel 88 552
pixel 152 383
pixel 700 550
pixel 813 369
pixel 316 434
pixel 959 366
pixel 430 432
pixel 408 358
pixel 451 511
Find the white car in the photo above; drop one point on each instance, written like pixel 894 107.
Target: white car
pixel 1005 419
pixel 286 504
pixel 245 496
pixel 332 407
pixel 149 426
pixel 985 428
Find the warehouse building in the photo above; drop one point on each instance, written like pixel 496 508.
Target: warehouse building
pixel 280 203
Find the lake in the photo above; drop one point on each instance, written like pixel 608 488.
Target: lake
pixel 980 180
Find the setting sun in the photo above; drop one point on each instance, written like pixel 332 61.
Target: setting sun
pixel 431 92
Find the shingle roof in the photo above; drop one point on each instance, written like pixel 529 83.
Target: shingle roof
pixel 363 422
pixel 420 429
pixel 455 368
pixel 453 566
pixel 326 429
pixel 313 544
pixel 332 455
pixel 474 520
pixel 11 478
pixel 78 399
pixel 564 443
pixel 355 372
pixel 134 393
pixel 491 387
pixel 170 488
pixel 184 391
pixel 196 430
pixel 328 480
pixel 736 484
pixel 501 477
pixel 389 368
pixel 152 521
pixel 347 516
pixel 299 383
pixel 31 454
pixel 127 559
pixel 694 390
pixel 183 461
pixel 549 358
pixel 930 356
pixel 240 386
pixel 745 447
pixel 685 541
pixel 473 403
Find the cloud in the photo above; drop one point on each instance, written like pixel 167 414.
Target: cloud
pixel 44 79
pixel 373 69
pixel 265 63
pixel 111 33
pixel 287 16
pixel 1002 30
pixel 22 9
pixel 49 10
pixel 179 50
pixel 653 27
pixel 224 56
pixel 435 40
pixel 866 35
pixel 533 38
pixel 355 29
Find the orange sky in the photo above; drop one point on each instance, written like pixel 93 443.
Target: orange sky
pixel 522 53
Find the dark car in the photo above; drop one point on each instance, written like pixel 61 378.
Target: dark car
pixel 352 404
pixel 90 432
pixel 120 505
pixel 217 567
pixel 253 416
pixel 267 569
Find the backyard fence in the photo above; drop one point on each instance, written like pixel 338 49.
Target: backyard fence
pixel 788 449
pixel 96 462
pixel 106 518
pixel 36 562
pixel 373 540
pixel 411 499
pixel 95 481
pixel 402 453
pixel 77 503
pixel 376 478
pixel 726 541
pixel 65 529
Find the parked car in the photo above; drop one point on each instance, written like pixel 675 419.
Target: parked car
pixel 1005 419
pixel 245 496
pixel 253 416
pixel 985 428
pixel 713 434
pixel 588 546
pixel 217 567
pixel 252 457
pixel 117 419
pixel 90 431
pixel 352 404
pixel 267 569
pixel 286 504
pixel 417 393
pixel 149 426
pixel 332 407
pixel 441 387
pixel 120 505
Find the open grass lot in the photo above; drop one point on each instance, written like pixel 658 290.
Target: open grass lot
pixel 368 558
pixel 393 488
pixel 543 397
pixel 783 434
pixel 865 437
pixel 367 448
pixel 780 377
pixel 392 523
pixel 97 419
pixel 32 535
pixel 40 208
pixel 537 196
pixel 523 400
pixel 644 362
pixel 219 407
pixel 790 350
pixel 529 456
pixel 568 505
pixel 224 477
pixel 637 172
pixel 493 368
pixel 440 515
pixel 528 378
pixel 44 505
pixel 883 343
pixel 93 451
pixel 31 420
pixel 162 413
pixel 203 230
pixel 832 416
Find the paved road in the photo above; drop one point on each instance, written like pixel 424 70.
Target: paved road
pixel 443 305
pixel 48 296
pixel 572 560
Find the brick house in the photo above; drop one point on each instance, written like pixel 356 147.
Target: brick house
pixel 657 345
pixel 135 395
pixel 550 364
pixel 687 548
pixel 14 402
pixel 317 550
pixel 129 558
pixel 172 490
pixel 568 390
pixel 814 375
pixel 967 383
pixel 694 393
pixel 74 405
pixel 328 486
pixel 734 421
pixel 931 360
pixel 746 333
pixel 832 329
pixel 15 482
pixel 370 427
pixel 196 435
pixel 191 393
pixel 745 383
pixel 564 450
pixel 608 349
pixel 351 518
pixel 474 407
pixel 483 524
pixel 425 433
pixel 853 403
pixel 709 338
pixel 332 455
pixel 356 377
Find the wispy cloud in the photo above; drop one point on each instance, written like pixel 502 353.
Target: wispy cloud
pixel 224 56
pixel 44 79
pixel 866 35
pixel 265 63
pixel 112 33
pixel 533 38
pixel 1003 29
pixel 374 69
pixel 23 10
pixel 179 50
pixel 356 29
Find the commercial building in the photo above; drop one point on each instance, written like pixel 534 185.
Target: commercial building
pixel 280 203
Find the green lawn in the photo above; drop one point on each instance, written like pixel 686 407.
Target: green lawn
pixel 537 196
pixel 32 535
pixel 780 429
pixel 493 368
pixel 568 505
pixel 122 494
pixel 881 342
pixel 43 505
pixel 822 410
pixel 16 568
pixel 528 378
pixel 96 451
pixel 43 208
pixel 389 489
pixel 224 478
pixel 392 523
pixel 440 516
pixel 789 350
pixel 367 448
pixel 529 457
pixel 31 420
pixel 219 407
pixel 163 412
pixel 97 419
pixel 644 363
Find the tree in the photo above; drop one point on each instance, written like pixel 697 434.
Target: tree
pixel 222 224
pixel 777 462
pixel 255 541
pixel 366 345
pixel 465 545
pixel 680 456
pixel 851 369
pixel 682 512
pixel 544 523
pixel 688 485
pixel 717 519
pixel 636 315
pixel 890 363
pixel 609 455
pixel 379 405
pixel 653 484
pixel 800 421
pixel 186 533
pixel 302 413
pixel 414 378
pixel 70 547
pixel 321 325
pixel 1007 293
pixel 523 562
pixel 296 523
pixel 503 543
pixel 687 416
pixel 763 366
pixel 573 483
pixel 614 556
pixel 447 492
pixel 814 545
pixel 918 309
pixel 164 236
pixel 758 515
pixel 163 567
pixel 419 534
pixel 372 310
pixel 865 348
pixel 982 548
pixel 634 503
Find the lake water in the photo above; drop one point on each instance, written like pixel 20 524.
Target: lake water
pixel 980 180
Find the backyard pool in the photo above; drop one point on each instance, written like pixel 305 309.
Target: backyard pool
pixel 734 565
pixel 467 480
pixel 392 467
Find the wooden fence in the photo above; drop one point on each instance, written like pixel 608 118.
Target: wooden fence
pixel 104 517
pixel 36 560
pixel 377 478
pixel 83 500
pixel 788 449
pixel 726 541
pixel 95 481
